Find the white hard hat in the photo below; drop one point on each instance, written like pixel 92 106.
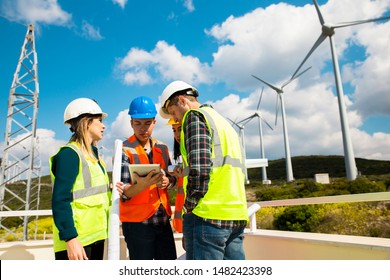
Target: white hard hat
pixel 81 106
pixel 171 89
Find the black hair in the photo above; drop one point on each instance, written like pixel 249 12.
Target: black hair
pixel 176 150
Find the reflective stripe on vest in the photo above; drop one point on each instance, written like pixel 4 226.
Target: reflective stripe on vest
pixel 127 146
pixel 219 159
pixel 132 151
pixel 177 221
pixel 88 189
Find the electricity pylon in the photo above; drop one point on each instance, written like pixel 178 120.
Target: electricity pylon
pixel 20 156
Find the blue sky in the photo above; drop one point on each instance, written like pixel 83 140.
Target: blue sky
pixel 114 51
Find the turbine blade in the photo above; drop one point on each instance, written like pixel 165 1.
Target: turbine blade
pixel 261 96
pixel 289 81
pixel 244 124
pixel 307 69
pixel 316 44
pixel 268 84
pixel 351 23
pixel 246 120
pixel 233 123
pixel 260 116
pixel 322 21
pixel 277 109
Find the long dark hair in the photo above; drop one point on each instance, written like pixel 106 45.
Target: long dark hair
pixel 176 150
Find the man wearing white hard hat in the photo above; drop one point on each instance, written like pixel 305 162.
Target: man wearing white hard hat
pixel 215 208
pixel 81 193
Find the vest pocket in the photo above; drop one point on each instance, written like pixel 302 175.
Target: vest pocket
pixel 90 217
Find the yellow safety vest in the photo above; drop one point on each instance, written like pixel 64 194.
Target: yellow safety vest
pixel 90 202
pixel 225 198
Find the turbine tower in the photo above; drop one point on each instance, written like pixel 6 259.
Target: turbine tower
pixel 21 143
pixel 279 98
pixel 259 117
pixel 328 30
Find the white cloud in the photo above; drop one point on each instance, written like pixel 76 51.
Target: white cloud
pixel 35 11
pixel 313 125
pixel 121 3
pixel 164 59
pixel 376 146
pixel 142 77
pixel 90 32
pixel 370 77
pixel 272 42
pixel 120 128
pixel 189 5
pixel 47 145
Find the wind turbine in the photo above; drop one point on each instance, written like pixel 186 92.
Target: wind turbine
pixel 328 30
pixel 279 97
pixel 259 118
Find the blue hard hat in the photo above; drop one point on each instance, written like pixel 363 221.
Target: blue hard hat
pixel 142 108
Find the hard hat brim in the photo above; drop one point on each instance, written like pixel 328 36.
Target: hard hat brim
pixel 104 115
pixel 163 113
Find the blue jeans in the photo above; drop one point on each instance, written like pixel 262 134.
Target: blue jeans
pixel 149 242
pixel 205 241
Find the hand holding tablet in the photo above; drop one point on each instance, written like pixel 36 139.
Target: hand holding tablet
pixel 143 170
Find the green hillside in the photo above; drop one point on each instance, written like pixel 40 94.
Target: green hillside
pixel 306 166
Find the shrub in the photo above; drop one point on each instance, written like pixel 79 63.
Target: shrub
pixel 275 193
pixel 265 216
pixel 387 184
pixel 363 185
pixel 360 219
pixel 309 188
pixel 45 225
pixel 300 218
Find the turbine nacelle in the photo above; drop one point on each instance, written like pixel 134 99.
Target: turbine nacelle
pixel 328 29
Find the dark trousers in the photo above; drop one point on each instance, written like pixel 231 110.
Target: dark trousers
pixel 149 242
pixel 94 251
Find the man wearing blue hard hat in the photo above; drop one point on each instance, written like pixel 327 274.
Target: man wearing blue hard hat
pixel 144 208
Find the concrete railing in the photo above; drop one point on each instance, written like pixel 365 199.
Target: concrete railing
pixel 258 244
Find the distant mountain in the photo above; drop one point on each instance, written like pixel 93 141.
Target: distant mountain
pixel 307 166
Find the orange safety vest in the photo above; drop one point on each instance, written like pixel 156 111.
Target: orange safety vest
pixel 145 204
pixel 177 216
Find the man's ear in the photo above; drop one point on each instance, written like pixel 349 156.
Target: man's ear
pixel 181 100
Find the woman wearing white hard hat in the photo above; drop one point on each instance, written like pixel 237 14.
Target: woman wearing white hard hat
pixel 81 193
